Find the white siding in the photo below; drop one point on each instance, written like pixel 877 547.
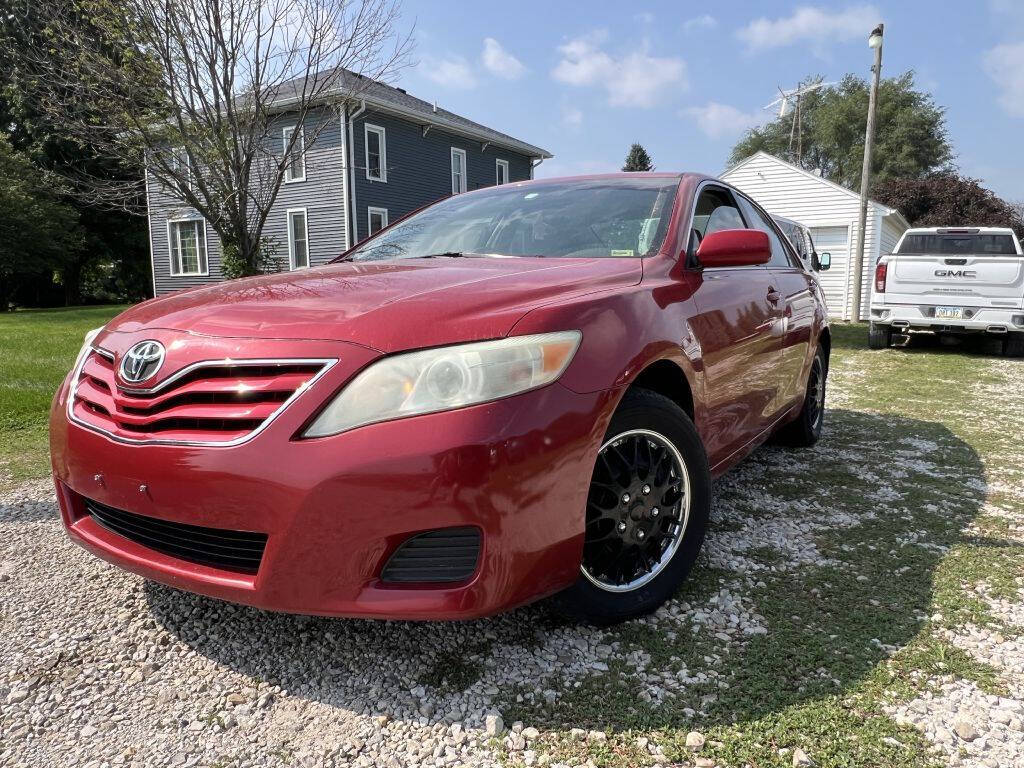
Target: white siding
pixel 785 190
pixel 892 230
pixel 835 280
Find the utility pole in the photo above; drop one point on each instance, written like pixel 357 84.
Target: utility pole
pixel 874 41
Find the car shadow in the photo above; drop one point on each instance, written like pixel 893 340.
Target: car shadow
pixel 826 557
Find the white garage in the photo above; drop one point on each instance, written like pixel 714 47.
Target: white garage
pixel 831 212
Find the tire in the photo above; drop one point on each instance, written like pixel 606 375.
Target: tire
pixel 879 336
pixel 656 432
pixel 805 430
pixel 1013 344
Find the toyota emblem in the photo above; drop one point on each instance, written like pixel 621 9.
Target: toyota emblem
pixel 142 361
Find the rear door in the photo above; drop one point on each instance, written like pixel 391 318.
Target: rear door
pixel 793 307
pixel 734 325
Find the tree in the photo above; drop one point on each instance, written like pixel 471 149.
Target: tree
pixel 910 135
pixel 37 229
pixel 109 242
pixel 947 200
pixel 192 90
pixel 638 160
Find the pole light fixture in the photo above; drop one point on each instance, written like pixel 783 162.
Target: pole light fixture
pixel 874 42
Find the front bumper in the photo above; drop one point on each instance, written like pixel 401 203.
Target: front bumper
pixel 916 317
pixel 334 509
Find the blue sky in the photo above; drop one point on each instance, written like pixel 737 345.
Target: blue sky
pixel 586 79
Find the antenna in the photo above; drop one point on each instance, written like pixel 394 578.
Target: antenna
pixel 795 95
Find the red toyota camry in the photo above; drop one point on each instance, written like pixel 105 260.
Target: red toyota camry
pixel 516 392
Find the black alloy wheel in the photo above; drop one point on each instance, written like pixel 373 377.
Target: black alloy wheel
pixel 637 510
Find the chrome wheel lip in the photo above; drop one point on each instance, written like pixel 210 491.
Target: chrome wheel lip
pixel 682 519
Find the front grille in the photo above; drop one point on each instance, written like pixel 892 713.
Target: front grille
pixel 228 550
pixel 448 554
pixel 210 403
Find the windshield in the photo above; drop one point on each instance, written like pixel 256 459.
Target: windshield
pixel 588 218
pixel 933 243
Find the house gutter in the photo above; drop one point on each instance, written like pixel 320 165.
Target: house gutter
pixel 354 214
pixel 534 164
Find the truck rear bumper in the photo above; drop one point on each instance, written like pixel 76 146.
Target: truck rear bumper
pixel 921 318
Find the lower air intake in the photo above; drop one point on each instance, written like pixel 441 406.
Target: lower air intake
pixel 445 555
pixel 215 547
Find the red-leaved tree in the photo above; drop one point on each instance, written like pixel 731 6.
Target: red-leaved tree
pixel 948 200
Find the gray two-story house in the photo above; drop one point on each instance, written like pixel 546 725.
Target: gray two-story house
pixel 383 154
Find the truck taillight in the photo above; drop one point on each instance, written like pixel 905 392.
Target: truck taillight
pixel 880 272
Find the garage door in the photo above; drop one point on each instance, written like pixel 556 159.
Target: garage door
pixel 834 282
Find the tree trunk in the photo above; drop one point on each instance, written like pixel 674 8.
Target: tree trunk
pixel 73 283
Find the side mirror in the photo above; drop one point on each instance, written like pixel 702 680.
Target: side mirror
pixel 734 248
pixel 822 261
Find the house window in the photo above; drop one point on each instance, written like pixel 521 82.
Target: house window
pixel 458 170
pixel 295 170
pixel 378 218
pixel 181 165
pixel 187 240
pixel 502 172
pixel 376 152
pixel 298 238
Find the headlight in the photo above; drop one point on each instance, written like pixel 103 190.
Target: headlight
pixel 87 344
pixel 435 380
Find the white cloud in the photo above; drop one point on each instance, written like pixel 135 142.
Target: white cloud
pixel 500 62
pixel 449 71
pixel 631 80
pixel 1005 65
pixel 723 120
pixel 644 17
pixel 816 27
pixel 572 117
pixel 704 21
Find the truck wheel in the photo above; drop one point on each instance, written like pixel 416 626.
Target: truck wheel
pixel 879 336
pixel 647 511
pixel 805 430
pixel 1013 345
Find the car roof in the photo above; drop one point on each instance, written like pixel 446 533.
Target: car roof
pixel 614 175
pixel 960 230
pixel 784 220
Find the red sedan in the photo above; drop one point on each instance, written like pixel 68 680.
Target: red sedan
pixel 517 392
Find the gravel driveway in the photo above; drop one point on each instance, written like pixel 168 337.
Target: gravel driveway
pixel 809 633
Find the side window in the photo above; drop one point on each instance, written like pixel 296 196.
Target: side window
pixel 780 254
pixel 716 210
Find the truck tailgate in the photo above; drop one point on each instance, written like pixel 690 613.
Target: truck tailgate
pixel 969 281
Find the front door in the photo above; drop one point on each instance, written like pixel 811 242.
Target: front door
pixel 735 327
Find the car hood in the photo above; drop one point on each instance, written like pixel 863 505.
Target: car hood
pixel 388 306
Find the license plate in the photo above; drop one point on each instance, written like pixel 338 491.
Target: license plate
pixel 949 313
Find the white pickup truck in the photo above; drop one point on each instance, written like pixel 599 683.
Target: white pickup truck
pixel 951 280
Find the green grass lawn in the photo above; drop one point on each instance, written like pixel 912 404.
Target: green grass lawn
pixel 37 348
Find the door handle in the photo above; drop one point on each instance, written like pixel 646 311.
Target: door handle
pixel 773 296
